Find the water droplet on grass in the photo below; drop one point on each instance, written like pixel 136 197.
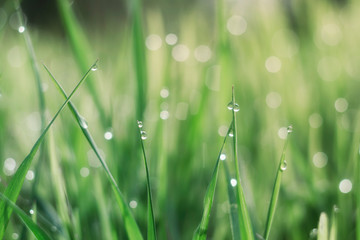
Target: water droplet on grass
pixel 108 135
pixel 230 106
pixel 94 68
pixel 290 129
pixel 233 182
pixel 223 157
pixel 143 135
pixel 83 122
pixel 21 29
pixel 236 107
pixel 313 233
pixel 31 211
pixel 140 124
pixel 283 166
pixel 231 133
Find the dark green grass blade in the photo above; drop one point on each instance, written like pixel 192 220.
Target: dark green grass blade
pixel 81 49
pixel 276 189
pixel 323 228
pixel 32 226
pixel 13 189
pixel 139 57
pixel 151 233
pixel 246 229
pixel 201 231
pixel 131 226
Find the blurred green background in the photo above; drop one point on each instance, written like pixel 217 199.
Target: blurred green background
pixel 171 64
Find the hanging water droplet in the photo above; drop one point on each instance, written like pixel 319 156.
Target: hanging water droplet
pixel 143 135
pixel 283 166
pixel 140 124
pixel 236 107
pixel 94 68
pixel 231 133
pixel 83 122
pixel 289 129
pixel 108 135
pixel 230 106
pixel 313 233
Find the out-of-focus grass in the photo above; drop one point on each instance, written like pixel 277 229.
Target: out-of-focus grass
pixel 294 63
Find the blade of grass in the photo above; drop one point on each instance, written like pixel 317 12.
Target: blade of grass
pixel 38 232
pixel 201 231
pixel 323 228
pixel 139 57
pixel 246 230
pixel 81 49
pixel 333 229
pixel 13 189
pixel 151 233
pixel 131 226
pixel 276 189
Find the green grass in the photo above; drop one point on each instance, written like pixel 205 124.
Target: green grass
pixel 90 181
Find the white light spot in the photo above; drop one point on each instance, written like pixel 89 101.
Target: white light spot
pixel 283 132
pixel 164 93
pixel 171 39
pixel 153 42
pixel 164 115
pixel 273 100
pixel 222 131
pixel 222 156
pixel 331 34
pixel 315 120
pixel 33 121
pixel 21 29
pixel 329 68
pixel 9 166
pixel 30 175
pixel 84 172
pixel 273 64
pixel 202 53
pixel 180 53
pixel 133 204
pixel 236 25
pixel 31 211
pixel 233 182
pixel 345 186
pixel 341 105
pixel 320 159
pixel 108 135
pixel 15 236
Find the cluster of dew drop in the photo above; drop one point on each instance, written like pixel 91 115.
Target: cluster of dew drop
pixel 142 132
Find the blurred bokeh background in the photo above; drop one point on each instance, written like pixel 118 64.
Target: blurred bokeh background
pixel 172 64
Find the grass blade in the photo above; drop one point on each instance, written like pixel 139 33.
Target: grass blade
pixel 323 229
pixel 246 230
pixel 334 225
pixel 32 226
pixel 201 231
pixel 13 189
pixel 151 234
pixel 131 226
pixel 276 189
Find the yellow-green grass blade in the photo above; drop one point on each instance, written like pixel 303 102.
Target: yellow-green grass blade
pixel 276 189
pixel 151 232
pixel 323 228
pixel 13 189
pixel 334 225
pixel 131 226
pixel 38 232
pixel 81 49
pixel 201 231
pixel 139 57
pixel 246 230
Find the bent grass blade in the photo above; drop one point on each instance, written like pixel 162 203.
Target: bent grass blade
pixel 131 226
pixel 13 189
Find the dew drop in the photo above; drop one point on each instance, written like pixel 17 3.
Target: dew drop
pixel 236 107
pixel 283 166
pixel 313 233
pixel 108 135
pixel 94 68
pixel 31 211
pixel 223 157
pixel 233 182
pixel 290 129
pixel 140 124
pixel 230 106
pixel 231 133
pixel 21 29
pixel 83 122
pixel 143 135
